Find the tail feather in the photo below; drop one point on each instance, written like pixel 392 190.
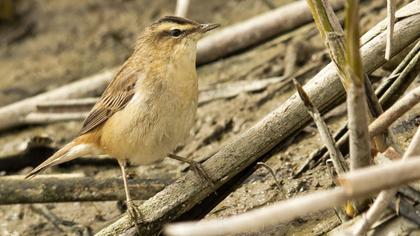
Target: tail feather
pixel 67 153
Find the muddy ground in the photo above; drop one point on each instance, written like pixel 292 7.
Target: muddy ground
pixel 51 43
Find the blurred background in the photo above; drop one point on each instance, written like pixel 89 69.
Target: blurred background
pixel 45 44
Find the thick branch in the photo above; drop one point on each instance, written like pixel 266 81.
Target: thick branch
pixel 255 30
pixel 16 113
pixel 64 188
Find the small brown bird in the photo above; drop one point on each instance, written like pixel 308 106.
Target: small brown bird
pixel 149 107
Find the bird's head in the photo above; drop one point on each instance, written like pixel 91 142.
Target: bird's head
pixel 174 34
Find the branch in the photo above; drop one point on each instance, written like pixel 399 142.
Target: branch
pixel 356 184
pixel 182 8
pixel 335 154
pixel 356 97
pixel 255 30
pixel 390 81
pixel 404 78
pixel 390 27
pixel 272 173
pixel 15 114
pixel 79 104
pixel 325 88
pixel 46 118
pixel 232 89
pixel 331 32
pixel 382 123
pixel 65 188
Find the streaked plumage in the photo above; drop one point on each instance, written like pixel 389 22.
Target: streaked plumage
pixel 150 105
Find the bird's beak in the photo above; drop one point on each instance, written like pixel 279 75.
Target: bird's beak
pixel 207 27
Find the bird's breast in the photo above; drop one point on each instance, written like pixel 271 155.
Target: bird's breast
pixel 156 120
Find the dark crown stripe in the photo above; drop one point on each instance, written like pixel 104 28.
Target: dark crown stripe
pixel 177 20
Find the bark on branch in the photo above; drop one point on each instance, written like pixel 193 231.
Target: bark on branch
pixel 17 113
pixel 255 30
pixel 64 188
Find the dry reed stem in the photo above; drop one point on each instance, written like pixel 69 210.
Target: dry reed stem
pixel 356 184
pixel 326 137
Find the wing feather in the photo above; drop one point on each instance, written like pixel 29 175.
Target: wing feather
pixel 116 96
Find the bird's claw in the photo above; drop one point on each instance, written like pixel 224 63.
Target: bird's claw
pixel 134 214
pixel 199 170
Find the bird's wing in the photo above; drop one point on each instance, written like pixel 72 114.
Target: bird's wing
pixel 116 96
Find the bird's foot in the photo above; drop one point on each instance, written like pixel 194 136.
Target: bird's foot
pixel 196 167
pixel 134 214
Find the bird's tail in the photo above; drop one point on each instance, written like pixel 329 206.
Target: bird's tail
pixel 69 152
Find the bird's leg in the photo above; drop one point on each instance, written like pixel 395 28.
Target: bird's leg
pixel 132 209
pixel 195 166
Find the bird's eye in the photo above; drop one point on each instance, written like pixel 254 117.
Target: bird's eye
pixel 175 32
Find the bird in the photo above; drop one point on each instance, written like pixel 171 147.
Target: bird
pixel 150 105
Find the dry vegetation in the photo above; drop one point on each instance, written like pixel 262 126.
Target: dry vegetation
pixel 249 112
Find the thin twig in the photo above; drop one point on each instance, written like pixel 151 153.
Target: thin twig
pixel 46 118
pixel 58 222
pixel 326 137
pixel 382 88
pixel 393 113
pixel 336 157
pixel 290 58
pixel 390 27
pixel 74 105
pixel 270 4
pixel 182 8
pixel 272 173
pixel 404 79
